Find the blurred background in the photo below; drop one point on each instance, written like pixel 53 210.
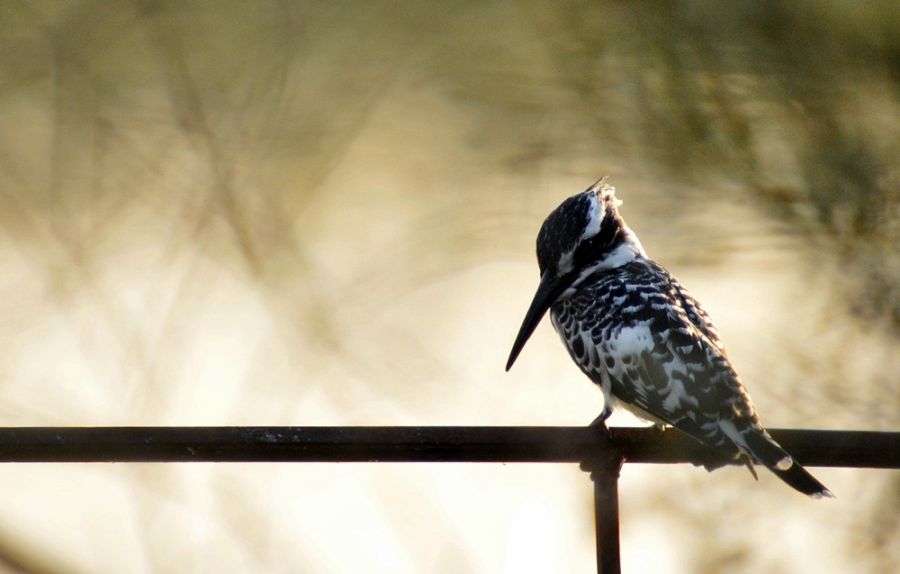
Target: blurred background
pixel 296 213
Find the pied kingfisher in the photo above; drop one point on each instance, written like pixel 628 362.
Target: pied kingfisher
pixel 639 335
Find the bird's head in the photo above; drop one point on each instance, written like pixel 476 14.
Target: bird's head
pixel 582 236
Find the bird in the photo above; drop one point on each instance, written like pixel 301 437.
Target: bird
pixel 638 334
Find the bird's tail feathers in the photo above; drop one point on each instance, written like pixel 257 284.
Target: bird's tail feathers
pixel 768 452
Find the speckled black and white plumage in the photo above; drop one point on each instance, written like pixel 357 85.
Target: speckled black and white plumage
pixel 639 335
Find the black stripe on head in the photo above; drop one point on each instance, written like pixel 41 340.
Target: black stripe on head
pixel 563 228
pixel 610 236
pixel 581 230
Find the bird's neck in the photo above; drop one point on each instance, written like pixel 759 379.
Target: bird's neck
pixel 625 252
pixel 625 248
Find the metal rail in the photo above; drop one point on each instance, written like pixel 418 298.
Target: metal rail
pixel 599 453
pixel 416 444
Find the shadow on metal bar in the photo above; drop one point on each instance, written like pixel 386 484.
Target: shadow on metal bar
pixel 598 453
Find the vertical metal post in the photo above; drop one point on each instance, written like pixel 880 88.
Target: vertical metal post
pixel 604 466
pixel 606 516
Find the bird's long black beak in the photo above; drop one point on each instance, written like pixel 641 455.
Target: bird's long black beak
pixel 550 288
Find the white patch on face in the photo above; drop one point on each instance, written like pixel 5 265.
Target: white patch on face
pixel 596 213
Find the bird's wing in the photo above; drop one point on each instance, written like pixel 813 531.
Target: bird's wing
pixel 665 366
pixel 640 332
pixel 660 353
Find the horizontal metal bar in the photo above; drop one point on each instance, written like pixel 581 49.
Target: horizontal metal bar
pixel 416 444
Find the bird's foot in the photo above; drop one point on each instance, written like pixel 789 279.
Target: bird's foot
pixel 599 423
pixel 607 460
